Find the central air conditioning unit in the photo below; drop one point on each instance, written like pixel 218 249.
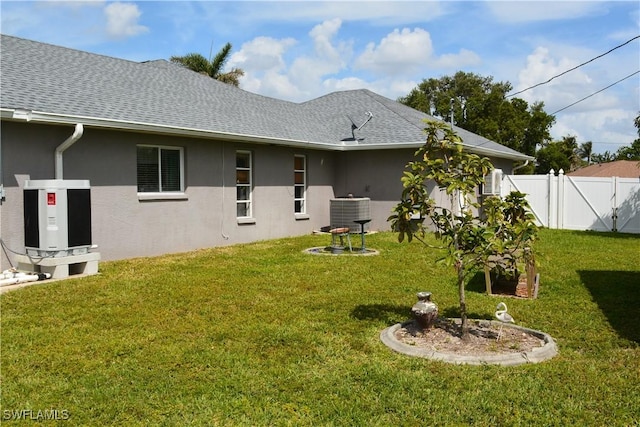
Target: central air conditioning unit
pixel 345 211
pixel 57 217
pixel 492 183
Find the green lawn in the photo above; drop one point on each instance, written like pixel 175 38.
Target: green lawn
pixel 264 334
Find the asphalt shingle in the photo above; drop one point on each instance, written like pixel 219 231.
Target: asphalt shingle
pixel 67 82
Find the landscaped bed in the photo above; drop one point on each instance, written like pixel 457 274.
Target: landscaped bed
pixel 264 334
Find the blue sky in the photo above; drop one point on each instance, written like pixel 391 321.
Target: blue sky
pixel 299 50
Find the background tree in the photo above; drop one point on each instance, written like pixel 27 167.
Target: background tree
pixel 605 157
pixel 479 105
pixel 558 155
pixel 585 151
pixel 212 68
pixel 631 152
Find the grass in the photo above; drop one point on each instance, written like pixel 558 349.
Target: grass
pixel 263 334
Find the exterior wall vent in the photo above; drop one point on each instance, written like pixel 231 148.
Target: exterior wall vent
pixel 345 211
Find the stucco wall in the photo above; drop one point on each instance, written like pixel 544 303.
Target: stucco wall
pixel 373 174
pixel 124 226
pixel 377 175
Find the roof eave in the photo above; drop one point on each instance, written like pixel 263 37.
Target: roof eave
pixel 61 119
pixel 496 153
pixel 417 144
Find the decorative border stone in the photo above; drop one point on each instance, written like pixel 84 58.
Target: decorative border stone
pixel 537 355
pixel 322 250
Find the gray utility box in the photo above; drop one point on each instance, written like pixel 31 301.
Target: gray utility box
pixel 344 211
pixel 57 217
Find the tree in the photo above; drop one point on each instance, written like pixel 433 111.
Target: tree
pixel 469 241
pixel 605 157
pixel 558 155
pixel 631 152
pixel 212 68
pixel 585 151
pixel 479 105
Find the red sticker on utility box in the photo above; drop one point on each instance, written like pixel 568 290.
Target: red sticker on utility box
pixel 51 199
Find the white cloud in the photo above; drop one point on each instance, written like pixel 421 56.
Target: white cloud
pixel 262 54
pixel 608 129
pixel 122 20
pixel 262 60
pixel 322 36
pixel 604 116
pixel 406 51
pixel 271 83
pixel 327 57
pixel 542 66
pixel 400 52
pixel 348 83
pixel 266 70
pixel 455 61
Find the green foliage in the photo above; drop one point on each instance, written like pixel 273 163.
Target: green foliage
pixel 212 68
pixel 510 233
pixel 631 152
pixel 558 155
pixel 585 152
pixel 480 105
pixel 454 170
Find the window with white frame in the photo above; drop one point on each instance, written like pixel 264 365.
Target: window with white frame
pixel 244 184
pixel 160 169
pixel 300 184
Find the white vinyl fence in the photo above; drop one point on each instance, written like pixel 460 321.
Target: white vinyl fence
pixel 580 203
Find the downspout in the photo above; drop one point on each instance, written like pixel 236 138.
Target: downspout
pixel 77 134
pixel 513 171
pixel 1 176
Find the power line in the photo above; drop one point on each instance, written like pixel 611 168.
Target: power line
pixel 594 93
pixel 574 68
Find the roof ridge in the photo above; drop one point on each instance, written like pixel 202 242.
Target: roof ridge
pixel 57 46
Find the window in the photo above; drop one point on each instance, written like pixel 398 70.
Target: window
pixel 243 184
pixel 160 169
pixel 300 184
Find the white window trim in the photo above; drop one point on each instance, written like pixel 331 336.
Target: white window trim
pixel 247 219
pixel 165 195
pixel 303 214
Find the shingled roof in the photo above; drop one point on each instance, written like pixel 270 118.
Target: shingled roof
pixel 619 168
pixel 60 85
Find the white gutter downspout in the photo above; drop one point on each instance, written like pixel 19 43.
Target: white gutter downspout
pixel 77 134
pixel 513 171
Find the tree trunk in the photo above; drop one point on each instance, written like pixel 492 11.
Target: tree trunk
pixel 463 305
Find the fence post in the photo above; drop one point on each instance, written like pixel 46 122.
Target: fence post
pixel 614 204
pixel 561 184
pixel 552 207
